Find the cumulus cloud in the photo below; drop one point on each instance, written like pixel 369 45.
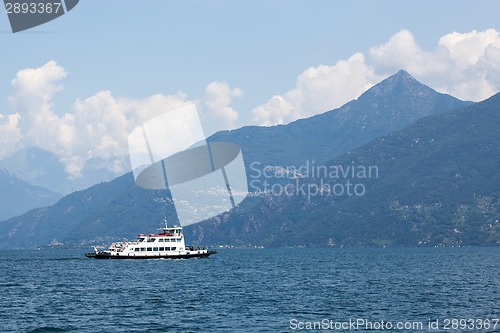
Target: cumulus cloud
pixel 318 89
pixel 37 86
pixel 97 127
pixel 37 124
pixel 102 123
pixel 467 49
pixel 401 51
pixel 10 133
pixel 465 65
pixel 217 112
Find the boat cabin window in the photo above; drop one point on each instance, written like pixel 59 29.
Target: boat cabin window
pixel 160 240
pixel 155 249
pixel 137 249
pixel 150 249
pixel 143 249
pixel 151 240
pixel 178 239
pixel 173 249
pixel 141 240
pixel 162 249
pixel 167 239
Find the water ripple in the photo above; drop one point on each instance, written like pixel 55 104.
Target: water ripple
pixel 244 290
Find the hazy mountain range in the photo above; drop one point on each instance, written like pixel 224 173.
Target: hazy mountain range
pixel 44 169
pixel 18 196
pixel 437 181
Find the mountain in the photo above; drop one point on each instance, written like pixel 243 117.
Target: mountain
pixel 18 196
pixel 386 107
pixel 125 210
pixel 42 168
pixel 436 182
pixel 36 166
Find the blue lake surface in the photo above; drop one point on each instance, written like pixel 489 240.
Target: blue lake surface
pixel 251 290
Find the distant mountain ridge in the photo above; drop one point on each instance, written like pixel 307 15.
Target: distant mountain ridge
pixel 43 168
pixel 124 210
pixel 36 166
pixel 18 196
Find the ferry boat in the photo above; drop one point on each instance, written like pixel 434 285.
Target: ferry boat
pixel 168 244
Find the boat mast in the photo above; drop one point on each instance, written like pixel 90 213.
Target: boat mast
pixel 165 220
pixel 170 201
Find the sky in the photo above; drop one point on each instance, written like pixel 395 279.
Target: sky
pixel 78 85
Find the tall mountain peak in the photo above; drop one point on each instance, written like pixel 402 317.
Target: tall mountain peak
pixel 403 74
pixel 402 83
pixel 400 100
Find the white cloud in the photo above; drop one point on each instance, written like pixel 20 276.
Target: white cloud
pixel 37 86
pixel 217 113
pixel 103 123
pixel 467 49
pixel 10 133
pixel 318 89
pixel 401 51
pixel 98 126
pixel 34 89
pixel 465 65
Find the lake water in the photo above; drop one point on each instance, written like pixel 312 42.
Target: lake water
pixel 254 290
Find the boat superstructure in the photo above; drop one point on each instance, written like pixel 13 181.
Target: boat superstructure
pixel 168 244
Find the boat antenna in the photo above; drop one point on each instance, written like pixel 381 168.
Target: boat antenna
pixel 165 220
pixel 170 205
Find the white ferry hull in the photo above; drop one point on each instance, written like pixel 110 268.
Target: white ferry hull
pixel 188 255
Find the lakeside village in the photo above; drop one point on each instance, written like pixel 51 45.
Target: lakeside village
pixel 310 180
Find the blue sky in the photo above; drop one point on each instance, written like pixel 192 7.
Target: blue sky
pixel 230 58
